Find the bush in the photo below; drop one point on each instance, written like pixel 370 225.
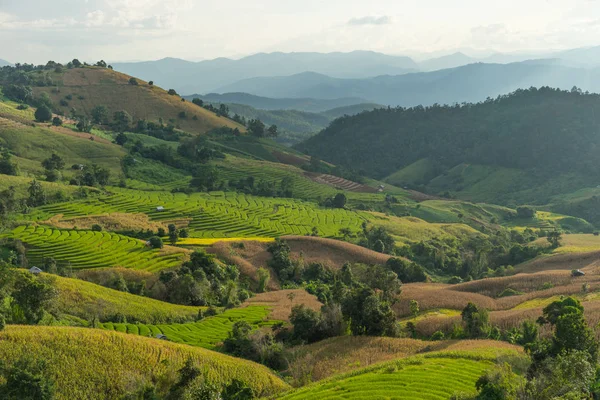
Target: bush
pixel 22 107
pixel 96 228
pixel 509 292
pixel 43 114
pixel 172 92
pixel 156 242
pixel 56 121
pixel 133 81
pixel 439 335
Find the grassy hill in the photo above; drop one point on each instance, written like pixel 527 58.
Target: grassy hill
pixel 96 364
pixel 435 375
pixel 526 147
pixel 89 87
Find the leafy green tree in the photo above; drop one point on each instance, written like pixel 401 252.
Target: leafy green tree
pixel 339 201
pixel 263 279
pixel 133 81
pixel 6 166
pixel 121 121
pixel 37 194
pixel 407 271
pixel 476 321
pixel 414 308
pixel 205 178
pixel 525 212
pixel 256 128
pixel 554 238
pixel 56 121
pixel 156 242
pixel 76 63
pixel 54 162
pixel 99 114
pixel 26 379
pixel 43 114
pixel 121 139
pixel 272 131
pixel 33 296
pixel 368 314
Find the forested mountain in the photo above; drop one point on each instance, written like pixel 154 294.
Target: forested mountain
pixel 532 138
pixel 268 103
pixel 201 77
pixel 471 83
pixel 296 126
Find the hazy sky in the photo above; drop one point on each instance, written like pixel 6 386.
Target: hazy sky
pixel 116 30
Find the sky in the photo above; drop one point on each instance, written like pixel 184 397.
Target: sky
pixel 36 31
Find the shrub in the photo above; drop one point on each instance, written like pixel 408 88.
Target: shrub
pixel 172 92
pixel 96 228
pixel 151 83
pixel 156 242
pixel 22 107
pixel 43 114
pixel 509 292
pixel 133 81
pixel 56 121
pixel 182 115
pixel 64 103
pixel 439 335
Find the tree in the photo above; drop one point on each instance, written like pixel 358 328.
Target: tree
pixel 133 81
pixel 99 114
pixel 151 83
pixel 414 308
pixel 54 162
pixel 198 102
pixel 272 131
pixel 156 242
pixel 43 114
pixel 368 314
pixel 554 238
pixel 26 379
pixel 525 212
pixel 205 178
pixel 339 201
pixel 172 92
pixel 256 128
pixel 476 321
pixel 76 63
pixel 307 324
pixel 173 237
pixel 121 139
pixel 223 110
pixel 263 279
pixel 6 166
pixel 122 120
pixel 56 121
pixel 101 64
pixel 37 194
pixel 33 296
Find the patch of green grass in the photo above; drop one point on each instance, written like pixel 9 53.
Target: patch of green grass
pixel 434 376
pixel 87 249
pixel 206 333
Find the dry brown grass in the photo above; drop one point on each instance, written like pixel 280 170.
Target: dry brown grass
pixel 101 86
pixel 561 261
pixel 248 259
pixel 333 253
pixel 281 303
pixel 110 222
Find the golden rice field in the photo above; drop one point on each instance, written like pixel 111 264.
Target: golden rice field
pixel 91 364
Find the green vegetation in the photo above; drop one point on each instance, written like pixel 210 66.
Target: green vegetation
pixel 487 151
pixel 207 332
pixel 88 249
pixel 94 364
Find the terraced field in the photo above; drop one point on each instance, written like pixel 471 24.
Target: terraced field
pixel 433 376
pixel 204 333
pixel 87 249
pixel 218 214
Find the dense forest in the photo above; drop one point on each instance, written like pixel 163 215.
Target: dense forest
pixel 542 132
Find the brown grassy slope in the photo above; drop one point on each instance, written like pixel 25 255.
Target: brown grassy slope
pixel 347 353
pixel 561 261
pixel 90 87
pixel 282 301
pixel 333 253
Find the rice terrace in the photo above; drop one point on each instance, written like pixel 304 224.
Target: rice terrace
pixel 381 207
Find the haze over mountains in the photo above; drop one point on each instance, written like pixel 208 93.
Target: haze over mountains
pixel 368 77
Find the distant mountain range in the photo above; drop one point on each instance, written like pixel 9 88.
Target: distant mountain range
pixel 205 76
pixel 212 75
pixel 4 63
pixel 268 103
pixel 469 83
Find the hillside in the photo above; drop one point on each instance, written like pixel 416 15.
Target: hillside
pixel 295 126
pixel 95 364
pixel 83 89
pixel 469 83
pixel 524 147
pixel 205 76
